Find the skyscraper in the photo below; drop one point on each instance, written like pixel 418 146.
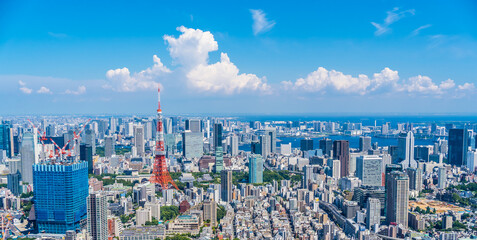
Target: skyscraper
pixel 29 156
pixel 86 154
pixel 368 169
pixel 364 143
pixel 272 133
pixel 89 138
pixel 194 125
pixel 109 146
pixel 6 138
pixel 139 140
pixel 226 185
pixel 60 193
pixel 192 144
pixel 457 145
pixel 219 159
pixel 415 178
pixel 234 144
pixel 255 147
pixel 441 177
pixel 97 216
pixel 265 145
pixel 308 176
pixel 218 134
pixel 406 150
pixel 306 144
pixel 397 198
pixel 373 212
pixel 326 145
pixel 210 211
pixel 13 183
pixel 113 125
pixel 472 160
pixel 255 168
pixel 341 152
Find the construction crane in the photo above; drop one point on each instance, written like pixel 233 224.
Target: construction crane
pixel 61 151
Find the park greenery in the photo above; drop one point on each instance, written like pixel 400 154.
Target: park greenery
pixel 26 195
pixel 220 212
pixel 169 212
pixel 120 150
pixel 109 179
pixel 126 217
pixel 153 222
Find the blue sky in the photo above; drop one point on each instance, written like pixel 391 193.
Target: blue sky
pixel 272 57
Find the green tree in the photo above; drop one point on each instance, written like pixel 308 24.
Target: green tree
pixel 169 212
pixel 220 212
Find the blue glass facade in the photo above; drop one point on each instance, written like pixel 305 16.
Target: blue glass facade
pixel 60 193
pixel 6 138
pixel 255 169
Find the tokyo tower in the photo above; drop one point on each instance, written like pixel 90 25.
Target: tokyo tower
pixel 160 174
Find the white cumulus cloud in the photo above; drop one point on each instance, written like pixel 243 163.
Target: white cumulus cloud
pixel 192 47
pixel 260 22
pixel 123 81
pixel 467 87
pixel 224 77
pixel 391 17
pixel 44 90
pixel 190 51
pixel 79 91
pixel 322 80
pixel 386 81
pixel 23 88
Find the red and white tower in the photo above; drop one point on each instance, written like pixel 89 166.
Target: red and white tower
pixel 160 174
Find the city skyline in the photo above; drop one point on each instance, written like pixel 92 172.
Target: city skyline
pixel 315 58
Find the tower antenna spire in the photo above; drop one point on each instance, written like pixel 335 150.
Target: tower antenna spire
pixel 160 174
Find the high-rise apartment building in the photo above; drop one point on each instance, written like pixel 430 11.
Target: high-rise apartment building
pixel 397 198
pixel 373 212
pixel 60 193
pixel 341 152
pixel 210 211
pixel 97 216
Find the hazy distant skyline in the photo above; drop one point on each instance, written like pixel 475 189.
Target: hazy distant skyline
pixel 236 58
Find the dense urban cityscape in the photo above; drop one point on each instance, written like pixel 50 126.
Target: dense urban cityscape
pixel 132 178
pixel 231 120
